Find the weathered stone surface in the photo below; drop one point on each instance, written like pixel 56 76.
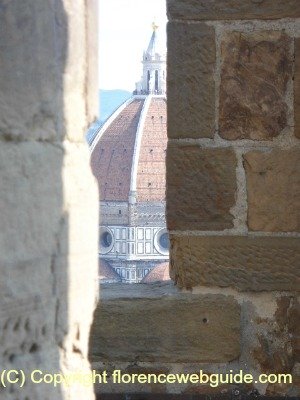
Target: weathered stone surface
pixel 191 93
pixel 297 88
pixel 273 187
pixel 48 204
pixel 76 193
pixel 44 276
pixel 31 104
pixel 232 9
pixel 201 185
pixel 294 327
pixel 255 70
pixel 243 263
pixel 51 95
pixel 80 74
pixel 80 211
pixel 157 323
pixel 41 211
pixel 288 320
pixel 286 390
pixel 296 347
pixel 294 318
pixel 283 303
pixel 92 96
pixel 270 357
pixel 30 215
pixel 41 216
pixel 274 350
pixel 214 392
pixel 296 375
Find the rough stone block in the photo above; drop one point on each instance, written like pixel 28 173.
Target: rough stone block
pixel 273 187
pixel 255 70
pixel 243 263
pixel 46 70
pixel 45 252
pixel 80 205
pixel 157 323
pixel 80 188
pixel 32 64
pixel 201 185
pixel 30 214
pixel 48 207
pixel 232 9
pixel 191 89
pixel 297 88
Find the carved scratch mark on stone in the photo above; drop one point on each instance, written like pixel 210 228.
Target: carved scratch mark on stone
pixel 24 326
pixel 240 262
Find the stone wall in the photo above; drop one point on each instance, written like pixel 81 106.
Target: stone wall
pixel 233 208
pixel 48 200
pixel 233 126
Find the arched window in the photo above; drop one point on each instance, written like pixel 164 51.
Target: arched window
pixel 156 80
pixel 148 80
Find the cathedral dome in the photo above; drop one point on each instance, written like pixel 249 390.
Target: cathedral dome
pixel 158 274
pixel 128 156
pixel 106 273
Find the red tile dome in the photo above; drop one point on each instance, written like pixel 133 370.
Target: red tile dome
pixel 158 273
pixel 128 153
pixel 106 272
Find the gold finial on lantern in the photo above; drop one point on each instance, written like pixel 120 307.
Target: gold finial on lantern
pixel 154 26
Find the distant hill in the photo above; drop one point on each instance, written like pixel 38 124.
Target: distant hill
pixel 110 100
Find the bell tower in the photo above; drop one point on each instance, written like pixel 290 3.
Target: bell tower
pixel 154 69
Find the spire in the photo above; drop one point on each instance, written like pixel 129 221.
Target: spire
pixel 151 50
pixel 151 47
pixel 154 68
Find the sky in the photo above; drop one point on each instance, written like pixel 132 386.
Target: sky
pixel 124 33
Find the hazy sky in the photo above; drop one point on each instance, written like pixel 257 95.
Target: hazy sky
pixel 124 33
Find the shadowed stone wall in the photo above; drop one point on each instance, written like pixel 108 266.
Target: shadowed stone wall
pixel 233 179
pixel 48 200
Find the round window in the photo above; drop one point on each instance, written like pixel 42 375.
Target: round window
pixel 164 241
pixel 106 239
pixel 161 242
